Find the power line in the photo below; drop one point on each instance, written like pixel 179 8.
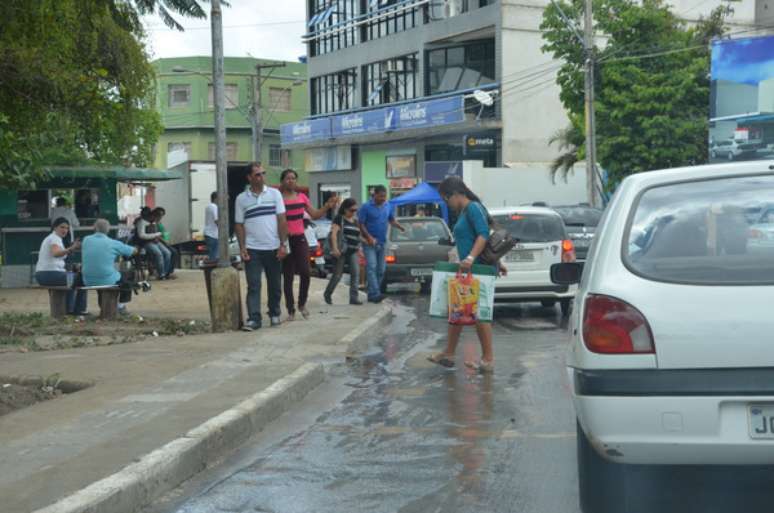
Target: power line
pixel 159 28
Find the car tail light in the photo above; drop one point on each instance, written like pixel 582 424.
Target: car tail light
pixel 317 252
pixel 612 326
pixel 201 248
pixel 568 251
pixel 756 234
pixel 390 259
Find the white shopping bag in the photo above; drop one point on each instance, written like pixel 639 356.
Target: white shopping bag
pixel 439 293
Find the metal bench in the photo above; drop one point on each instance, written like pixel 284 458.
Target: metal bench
pixel 107 297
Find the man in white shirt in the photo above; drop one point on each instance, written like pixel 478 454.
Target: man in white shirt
pixel 62 209
pixel 262 231
pixel 211 227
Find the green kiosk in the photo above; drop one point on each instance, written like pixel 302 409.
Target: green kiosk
pixel 92 192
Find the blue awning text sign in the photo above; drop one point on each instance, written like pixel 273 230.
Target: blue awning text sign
pixel 424 114
pixel 306 131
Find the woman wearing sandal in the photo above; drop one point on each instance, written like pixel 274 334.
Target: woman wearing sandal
pixel 297 262
pixel 470 234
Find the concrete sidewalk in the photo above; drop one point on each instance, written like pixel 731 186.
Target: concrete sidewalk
pixel 151 393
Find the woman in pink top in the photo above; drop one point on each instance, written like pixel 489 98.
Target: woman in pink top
pixel 297 262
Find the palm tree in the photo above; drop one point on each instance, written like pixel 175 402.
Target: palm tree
pixel 128 12
pixel 570 142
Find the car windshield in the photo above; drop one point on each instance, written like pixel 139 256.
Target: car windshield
pixel 532 227
pixel 580 216
pixel 420 230
pixel 698 233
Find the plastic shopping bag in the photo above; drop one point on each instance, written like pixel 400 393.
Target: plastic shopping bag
pixel 463 299
pixel 443 272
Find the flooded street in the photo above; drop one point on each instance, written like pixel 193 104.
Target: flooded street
pixel 391 432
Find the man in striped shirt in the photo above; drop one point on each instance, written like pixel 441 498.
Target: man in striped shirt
pixel 262 231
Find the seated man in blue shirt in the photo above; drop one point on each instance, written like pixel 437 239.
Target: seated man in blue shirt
pixel 374 216
pixel 99 254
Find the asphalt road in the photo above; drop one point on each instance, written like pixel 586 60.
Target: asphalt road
pixel 395 433
pixel 391 432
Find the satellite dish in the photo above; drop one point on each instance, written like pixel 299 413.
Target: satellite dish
pixel 483 98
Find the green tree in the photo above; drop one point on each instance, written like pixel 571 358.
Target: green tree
pixel 76 85
pixel 652 83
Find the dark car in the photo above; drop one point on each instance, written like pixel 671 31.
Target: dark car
pixel 412 255
pixel 581 222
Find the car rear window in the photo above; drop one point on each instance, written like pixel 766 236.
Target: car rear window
pixel 698 233
pixel 532 227
pixel 419 231
pixel 580 216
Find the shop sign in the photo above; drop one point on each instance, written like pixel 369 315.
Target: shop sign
pixel 478 143
pixel 401 166
pixel 306 131
pixel 403 183
pixel 329 158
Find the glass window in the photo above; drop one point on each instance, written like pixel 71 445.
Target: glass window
pixel 697 233
pixel 231 96
pixel 334 92
pixel 179 95
pixel 279 99
pixel 232 150
pixel 185 146
pixel 580 216
pixel 333 24
pixel 390 17
pixel 460 67
pixel 32 205
pixel 422 230
pixel 389 81
pixel 532 227
pixel 275 155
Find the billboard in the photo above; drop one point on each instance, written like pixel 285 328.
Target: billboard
pixel 742 99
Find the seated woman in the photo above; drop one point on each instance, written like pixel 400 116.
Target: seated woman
pixel 50 270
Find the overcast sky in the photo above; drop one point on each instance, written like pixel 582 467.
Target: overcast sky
pixel 267 29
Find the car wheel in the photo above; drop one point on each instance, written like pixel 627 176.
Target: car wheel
pixel 566 305
pixel 548 303
pixel 601 483
pixel 425 287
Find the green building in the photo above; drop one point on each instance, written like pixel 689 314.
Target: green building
pixel 185 101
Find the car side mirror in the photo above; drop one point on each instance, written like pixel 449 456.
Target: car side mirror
pixel 566 273
pixel 445 241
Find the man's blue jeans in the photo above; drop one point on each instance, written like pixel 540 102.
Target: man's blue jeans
pixel 375 267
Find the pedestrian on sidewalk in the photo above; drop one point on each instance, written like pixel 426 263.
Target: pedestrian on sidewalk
pixel 373 217
pixel 470 234
pixel 346 229
pixel 50 270
pixel 100 253
pixel 297 262
pixel 262 231
pixel 211 228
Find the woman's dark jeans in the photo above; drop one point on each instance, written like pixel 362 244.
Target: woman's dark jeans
pixel 351 258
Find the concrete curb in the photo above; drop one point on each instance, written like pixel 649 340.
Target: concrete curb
pixel 162 470
pixel 355 341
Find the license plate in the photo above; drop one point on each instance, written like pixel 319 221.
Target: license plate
pixel 319 260
pixel 761 420
pixel 520 256
pixel 421 272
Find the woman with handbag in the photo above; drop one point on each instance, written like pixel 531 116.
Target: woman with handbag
pixel 297 262
pixel 344 241
pixel 471 233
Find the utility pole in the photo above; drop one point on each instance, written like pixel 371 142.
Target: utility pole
pixel 256 113
pixel 221 171
pixel 223 281
pixel 591 140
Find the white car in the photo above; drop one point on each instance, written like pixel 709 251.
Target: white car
pixel 542 242
pixel 671 355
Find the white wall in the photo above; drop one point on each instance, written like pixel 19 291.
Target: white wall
pixel 523 184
